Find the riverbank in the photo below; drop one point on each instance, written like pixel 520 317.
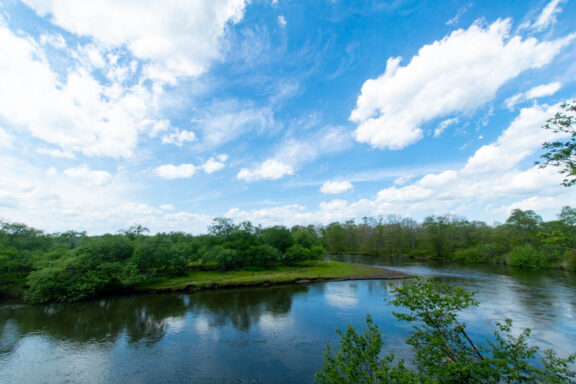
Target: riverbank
pixel 568 264
pixel 305 273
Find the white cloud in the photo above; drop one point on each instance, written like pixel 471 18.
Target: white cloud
pixel 456 19
pixel 493 181
pixel 54 39
pixel 6 139
pixel 533 93
pixel 443 125
pixel 404 179
pixel 456 74
pixel 75 112
pixel 55 201
pixel 52 171
pixel 270 169
pixel 335 187
pixel 55 153
pixel 179 137
pixel 170 171
pixel 548 16
pixel 179 38
pixel 222 157
pixel 85 174
pixel 225 121
pixel 282 21
pixel 543 90
pixel 214 164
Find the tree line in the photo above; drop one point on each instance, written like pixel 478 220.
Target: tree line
pixel 71 266
pixel 524 240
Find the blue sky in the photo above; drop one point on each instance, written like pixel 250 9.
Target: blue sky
pixel 168 114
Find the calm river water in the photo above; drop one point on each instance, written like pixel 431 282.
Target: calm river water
pixel 258 335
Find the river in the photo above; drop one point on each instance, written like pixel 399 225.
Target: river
pixel 259 335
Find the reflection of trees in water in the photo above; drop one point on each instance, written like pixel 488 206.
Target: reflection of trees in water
pixel 142 318
pixel 244 307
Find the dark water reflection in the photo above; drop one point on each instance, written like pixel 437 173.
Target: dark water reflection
pixel 268 335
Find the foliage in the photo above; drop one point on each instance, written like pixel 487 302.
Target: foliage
pixel 264 255
pixel 570 260
pixel 450 237
pixel 279 237
pixel 562 153
pixel 358 360
pixel 444 351
pixel 29 257
pixel 526 256
pixel 72 266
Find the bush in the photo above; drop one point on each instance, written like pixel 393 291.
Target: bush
pixel 296 254
pixel 263 255
pixel 77 278
pixel 316 252
pixel 223 258
pixel 472 255
pixel 526 256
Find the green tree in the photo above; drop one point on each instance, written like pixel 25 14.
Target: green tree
pixel 568 216
pixel 444 351
pixel 562 153
pixel 134 231
pixel 279 237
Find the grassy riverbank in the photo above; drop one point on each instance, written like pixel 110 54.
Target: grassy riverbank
pixel 306 272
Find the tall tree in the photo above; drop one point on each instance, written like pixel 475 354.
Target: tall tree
pixel 562 153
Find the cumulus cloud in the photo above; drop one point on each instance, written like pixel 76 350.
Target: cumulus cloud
pixel 175 39
pixel 59 201
pixel 270 169
pixel 170 171
pixel 456 74
pixel 335 187
pixel 533 93
pixel 492 182
pixel 75 112
pixel 215 164
pixel 88 176
pixel 182 171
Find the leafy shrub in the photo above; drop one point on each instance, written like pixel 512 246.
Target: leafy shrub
pixel 263 255
pixel 296 254
pixel 526 256
pixel 77 278
pixel 223 258
pixel 316 252
pixel 472 255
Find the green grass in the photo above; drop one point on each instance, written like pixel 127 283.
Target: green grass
pixel 313 270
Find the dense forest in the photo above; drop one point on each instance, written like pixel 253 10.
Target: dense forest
pixel 70 266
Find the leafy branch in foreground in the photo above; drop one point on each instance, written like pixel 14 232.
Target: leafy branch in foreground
pixel 562 153
pixel 444 351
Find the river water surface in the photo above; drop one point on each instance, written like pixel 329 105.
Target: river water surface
pixel 259 335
